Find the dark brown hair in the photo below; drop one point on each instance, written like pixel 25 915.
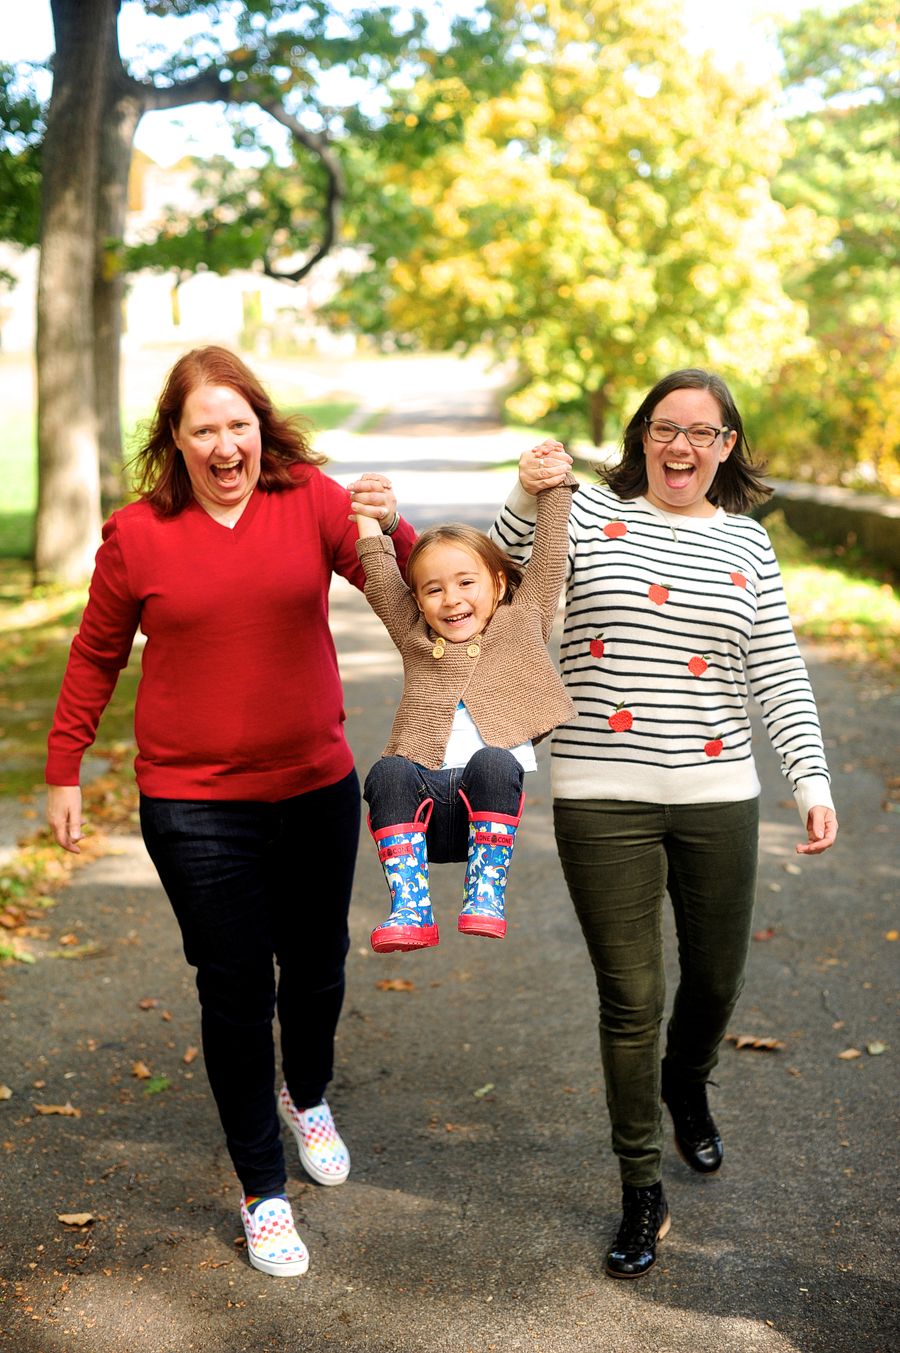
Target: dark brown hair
pixel 498 563
pixel 737 484
pixel 160 473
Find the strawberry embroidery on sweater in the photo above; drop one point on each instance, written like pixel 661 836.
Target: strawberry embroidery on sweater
pixel 658 593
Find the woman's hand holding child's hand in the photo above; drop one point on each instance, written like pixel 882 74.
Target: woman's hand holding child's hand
pixel 544 467
pixel 374 503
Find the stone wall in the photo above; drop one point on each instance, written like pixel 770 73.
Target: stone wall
pixel 832 516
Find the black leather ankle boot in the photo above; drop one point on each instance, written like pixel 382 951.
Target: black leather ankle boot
pixel 645 1220
pixel 696 1135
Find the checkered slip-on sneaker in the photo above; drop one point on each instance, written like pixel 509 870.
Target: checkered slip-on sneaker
pixel 273 1245
pixel 323 1154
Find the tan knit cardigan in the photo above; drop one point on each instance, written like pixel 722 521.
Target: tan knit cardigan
pixel 507 679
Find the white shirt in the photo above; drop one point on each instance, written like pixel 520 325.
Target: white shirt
pixel 465 741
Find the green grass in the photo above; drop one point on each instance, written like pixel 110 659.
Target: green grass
pixel 36 629
pixel 850 603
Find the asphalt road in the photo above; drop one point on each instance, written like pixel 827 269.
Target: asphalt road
pixel 473 1222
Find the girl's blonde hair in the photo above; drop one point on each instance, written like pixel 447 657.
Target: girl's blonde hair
pixel 506 574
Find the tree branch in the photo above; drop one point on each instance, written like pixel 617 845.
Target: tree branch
pixel 319 144
pixel 204 88
pixel 208 88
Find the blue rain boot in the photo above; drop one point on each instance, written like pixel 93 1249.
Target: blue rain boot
pixel 404 857
pixel 491 840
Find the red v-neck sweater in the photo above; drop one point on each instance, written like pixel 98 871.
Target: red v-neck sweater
pixel 240 696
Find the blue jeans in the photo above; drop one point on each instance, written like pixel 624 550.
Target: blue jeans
pixel 249 882
pixel 396 787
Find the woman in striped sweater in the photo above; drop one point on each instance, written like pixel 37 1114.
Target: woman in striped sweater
pixel 675 613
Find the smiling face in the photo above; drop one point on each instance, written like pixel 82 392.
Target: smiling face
pixel 219 438
pixel 455 592
pixel 679 475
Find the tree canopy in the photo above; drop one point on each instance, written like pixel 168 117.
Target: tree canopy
pixel 840 401
pixel 603 220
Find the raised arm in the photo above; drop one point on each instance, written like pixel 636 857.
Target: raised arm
pixel 544 466
pixel 546 571
pixel 386 592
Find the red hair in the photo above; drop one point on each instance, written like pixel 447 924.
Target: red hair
pixel 160 473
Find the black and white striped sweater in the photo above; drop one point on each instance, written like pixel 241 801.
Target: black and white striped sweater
pixel 667 626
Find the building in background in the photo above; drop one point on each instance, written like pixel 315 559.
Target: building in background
pixel 241 309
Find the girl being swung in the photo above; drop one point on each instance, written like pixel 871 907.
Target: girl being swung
pixel 479 689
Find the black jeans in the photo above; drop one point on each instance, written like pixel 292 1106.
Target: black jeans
pixel 249 881
pixel 618 859
pixel 395 788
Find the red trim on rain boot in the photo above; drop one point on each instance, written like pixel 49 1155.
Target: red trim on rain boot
pixel 403 853
pixel 491 840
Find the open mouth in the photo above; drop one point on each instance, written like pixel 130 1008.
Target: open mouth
pixel 227 475
pixel 678 473
pixel 456 620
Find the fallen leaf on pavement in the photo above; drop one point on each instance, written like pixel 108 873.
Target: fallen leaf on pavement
pixel 141 1071
pixel 65 1110
pixel 5 1092
pixel 71 938
pixel 240 1241
pixel 767 934
pixel 480 1093
pixel 892 934
pixel 75 1218
pixel 791 868
pixel 148 1003
pixel 166 1015
pixel 80 951
pixel 774 887
pixel 189 1055
pixel 849 1054
pixel 751 1041
pixel 395 984
pixel 155 1084
pixel 876 1049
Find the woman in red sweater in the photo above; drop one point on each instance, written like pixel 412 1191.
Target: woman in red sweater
pixel 225 563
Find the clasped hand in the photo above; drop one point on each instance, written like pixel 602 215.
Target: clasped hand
pixel 373 496
pixel 544 467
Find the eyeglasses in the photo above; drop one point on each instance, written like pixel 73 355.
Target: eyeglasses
pixel 665 432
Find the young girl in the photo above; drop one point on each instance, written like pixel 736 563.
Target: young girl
pixel 479 688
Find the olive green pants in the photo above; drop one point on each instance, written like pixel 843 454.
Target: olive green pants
pixel 618 859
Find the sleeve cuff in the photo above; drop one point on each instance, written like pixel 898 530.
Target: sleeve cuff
pixel 379 544
pixel 522 504
pixel 814 790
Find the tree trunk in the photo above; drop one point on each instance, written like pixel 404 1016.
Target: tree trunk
pixel 598 407
pixel 121 112
pixel 67 530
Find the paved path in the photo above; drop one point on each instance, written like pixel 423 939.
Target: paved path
pixel 473 1223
